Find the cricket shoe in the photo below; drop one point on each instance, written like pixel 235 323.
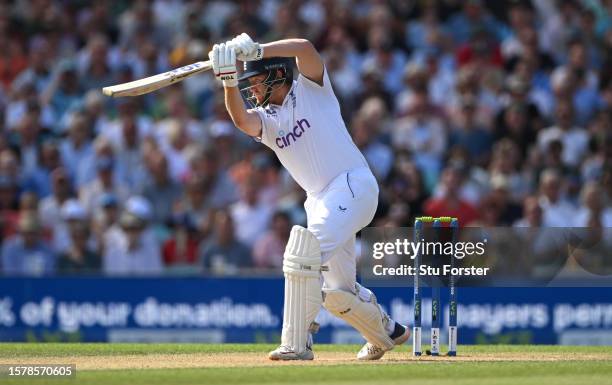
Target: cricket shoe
pixel 285 353
pixel 370 352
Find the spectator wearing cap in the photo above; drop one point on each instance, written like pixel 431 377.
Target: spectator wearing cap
pixel 222 133
pixel 575 140
pixel 222 253
pixel 269 249
pixel 50 207
pixel 72 214
pixel 517 93
pixel 556 210
pixel 131 247
pixel 250 209
pixel 161 190
pixel 509 211
pixel 104 183
pixel 450 203
pixel 26 253
pixel 77 147
pixel 180 251
pixel 81 257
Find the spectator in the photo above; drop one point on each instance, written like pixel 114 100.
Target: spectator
pixel 387 60
pixel 509 211
pixel 196 203
pixel 9 214
pixel 50 207
pixel 105 183
pixel 574 139
pixel 222 253
pixel 106 217
pixel 27 140
pixel 180 251
pixel 450 203
pixel 472 14
pixel 204 163
pixel 250 209
pixel 63 92
pixel 532 213
pixel 422 133
pixel 26 253
pixel 593 211
pixel 72 215
pixel 378 155
pixel 406 186
pixel 39 179
pixel 131 248
pixel 470 135
pixel 175 146
pixel 127 137
pixel 556 210
pixel 77 147
pixel 269 249
pixel 80 257
pixel 38 72
pixel 160 189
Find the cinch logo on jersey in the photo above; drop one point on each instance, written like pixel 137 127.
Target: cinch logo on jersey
pixel 284 140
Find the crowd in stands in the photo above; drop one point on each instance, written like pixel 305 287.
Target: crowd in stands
pixel 495 112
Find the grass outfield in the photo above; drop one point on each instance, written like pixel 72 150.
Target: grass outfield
pixel 136 364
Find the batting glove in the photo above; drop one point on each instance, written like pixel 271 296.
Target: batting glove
pixel 223 58
pixel 246 48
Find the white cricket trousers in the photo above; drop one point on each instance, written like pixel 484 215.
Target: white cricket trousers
pixel 334 215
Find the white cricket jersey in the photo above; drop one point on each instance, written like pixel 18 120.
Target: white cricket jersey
pixel 308 135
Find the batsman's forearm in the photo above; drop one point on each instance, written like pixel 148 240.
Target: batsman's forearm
pixel 286 48
pixel 235 105
pixel 238 113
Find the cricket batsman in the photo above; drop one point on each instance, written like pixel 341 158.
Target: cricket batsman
pixel 299 119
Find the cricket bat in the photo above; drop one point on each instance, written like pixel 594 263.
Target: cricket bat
pixel 155 82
